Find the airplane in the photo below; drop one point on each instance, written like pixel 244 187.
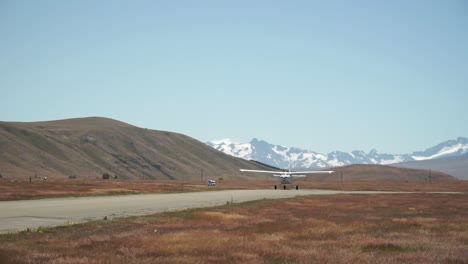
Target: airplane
pixel 286 177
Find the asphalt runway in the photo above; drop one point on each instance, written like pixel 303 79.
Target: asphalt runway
pixel 20 215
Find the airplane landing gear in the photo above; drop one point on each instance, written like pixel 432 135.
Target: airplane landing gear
pixel 297 187
pixel 284 187
pixel 276 187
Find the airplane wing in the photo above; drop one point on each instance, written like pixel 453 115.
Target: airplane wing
pixel 309 172
pixel 260 171
pixel 290 173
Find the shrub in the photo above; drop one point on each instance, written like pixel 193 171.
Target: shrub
pixel 72 177
pixel 106 176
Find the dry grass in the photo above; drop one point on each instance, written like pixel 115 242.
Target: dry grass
pixel 405 228
pixel 20 190
pixel 89 147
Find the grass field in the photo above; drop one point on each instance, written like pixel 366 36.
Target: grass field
pixel 403 228
pixel 21 190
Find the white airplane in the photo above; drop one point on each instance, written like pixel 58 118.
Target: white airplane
pixel 286 177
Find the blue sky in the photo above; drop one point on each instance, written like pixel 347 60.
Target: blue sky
pixel 339 75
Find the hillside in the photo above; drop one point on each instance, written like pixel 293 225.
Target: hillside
pixel 456 166
pixel 364 172
pixel 88 147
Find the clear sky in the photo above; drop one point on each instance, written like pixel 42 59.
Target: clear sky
pixel 320 75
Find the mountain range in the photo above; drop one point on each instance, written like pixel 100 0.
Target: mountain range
pixel 283 157
pixel 87 148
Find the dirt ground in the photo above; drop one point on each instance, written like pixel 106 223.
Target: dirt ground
pixel 381 228
pixel 20 190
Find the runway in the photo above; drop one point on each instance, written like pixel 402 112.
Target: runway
pixel 19 215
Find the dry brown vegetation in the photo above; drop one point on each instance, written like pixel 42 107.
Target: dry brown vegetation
pixel 404 228
pixel 64 188
pixel 21 190
pixel 85 148
pixel 88 147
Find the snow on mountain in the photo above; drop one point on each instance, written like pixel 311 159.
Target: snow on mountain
pixel 232 148
pixel 283 157
pixel 449 148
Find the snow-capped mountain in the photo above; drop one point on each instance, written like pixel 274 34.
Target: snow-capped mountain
pixel 280 156
pixel 449 148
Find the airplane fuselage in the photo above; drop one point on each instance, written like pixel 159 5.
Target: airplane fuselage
pixel 286 179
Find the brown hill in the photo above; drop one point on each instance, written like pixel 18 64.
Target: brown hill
pixel 88 147
pixel 365 172
pixel 456 166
